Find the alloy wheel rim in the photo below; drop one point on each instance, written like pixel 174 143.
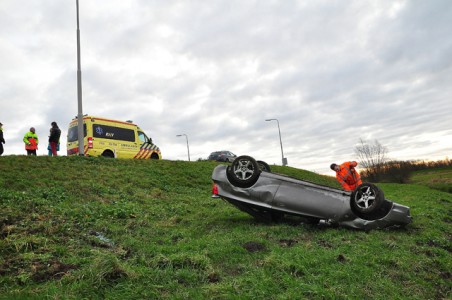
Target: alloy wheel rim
pixel 244 169
pixel 365 198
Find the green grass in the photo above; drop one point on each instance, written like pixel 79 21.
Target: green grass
pixel 440 179
pixel 93 228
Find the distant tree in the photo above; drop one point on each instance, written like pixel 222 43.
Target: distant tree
pixel 372 158
pixel 397 171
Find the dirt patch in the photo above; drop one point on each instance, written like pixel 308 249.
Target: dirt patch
pixel 253 247
pixel 433 243
pixel 213 278
pixel 325 244
pixel 125 253
pixel 6 226
pixel 430 253
pixel 446 275
pixel 48 271
pixel 11 267
pixel 341 258
pixel 6 221
pixel 287 243
pixel 115 275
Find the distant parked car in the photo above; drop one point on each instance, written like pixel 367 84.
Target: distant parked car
pixel 224 156
pixel 269 196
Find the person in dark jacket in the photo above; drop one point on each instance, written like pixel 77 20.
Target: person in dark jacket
pixel 54 138
pixel 2 140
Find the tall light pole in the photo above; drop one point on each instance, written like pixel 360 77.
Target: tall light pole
pixel 284 160
pixel 188 148
pixel 81 135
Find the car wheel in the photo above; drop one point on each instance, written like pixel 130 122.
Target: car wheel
pixel 366 200
pixel 243 172
pixel 263 166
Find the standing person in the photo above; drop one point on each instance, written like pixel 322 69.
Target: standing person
pixel 49 149
pixel 2 140
pixel 31 142
pixel 347 176
pixel 54 138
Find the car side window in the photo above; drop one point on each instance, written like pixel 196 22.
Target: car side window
pixel 113 133
pixel 143 137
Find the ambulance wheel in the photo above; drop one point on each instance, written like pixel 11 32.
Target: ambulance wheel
pixel 108 154
pixel 154 156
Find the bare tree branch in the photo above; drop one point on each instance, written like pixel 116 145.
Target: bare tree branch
pixel 371 157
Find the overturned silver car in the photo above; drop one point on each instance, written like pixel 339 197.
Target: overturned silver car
pixel 250 186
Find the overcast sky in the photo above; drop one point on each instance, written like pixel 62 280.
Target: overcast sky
pixel 331 72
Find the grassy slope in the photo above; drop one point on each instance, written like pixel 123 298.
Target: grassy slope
pixel 440 179
pixel 97 228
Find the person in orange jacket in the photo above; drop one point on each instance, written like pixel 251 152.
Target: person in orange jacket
pixel 347 176
pixel 31 142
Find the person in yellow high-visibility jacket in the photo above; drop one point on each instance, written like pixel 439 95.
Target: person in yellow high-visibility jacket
pixel 31 142
pixel 347 176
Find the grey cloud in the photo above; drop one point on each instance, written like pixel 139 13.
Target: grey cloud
pixel 331 72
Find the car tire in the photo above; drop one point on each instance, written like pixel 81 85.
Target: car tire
pixel 264 166
pixel 366 200
pixel 243 172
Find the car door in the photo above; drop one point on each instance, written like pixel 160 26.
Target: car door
pixel 308 199
pixel 144 146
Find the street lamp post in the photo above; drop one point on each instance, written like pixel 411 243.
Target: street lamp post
pixel 81 134
pixel 188 148
pixel 284 160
